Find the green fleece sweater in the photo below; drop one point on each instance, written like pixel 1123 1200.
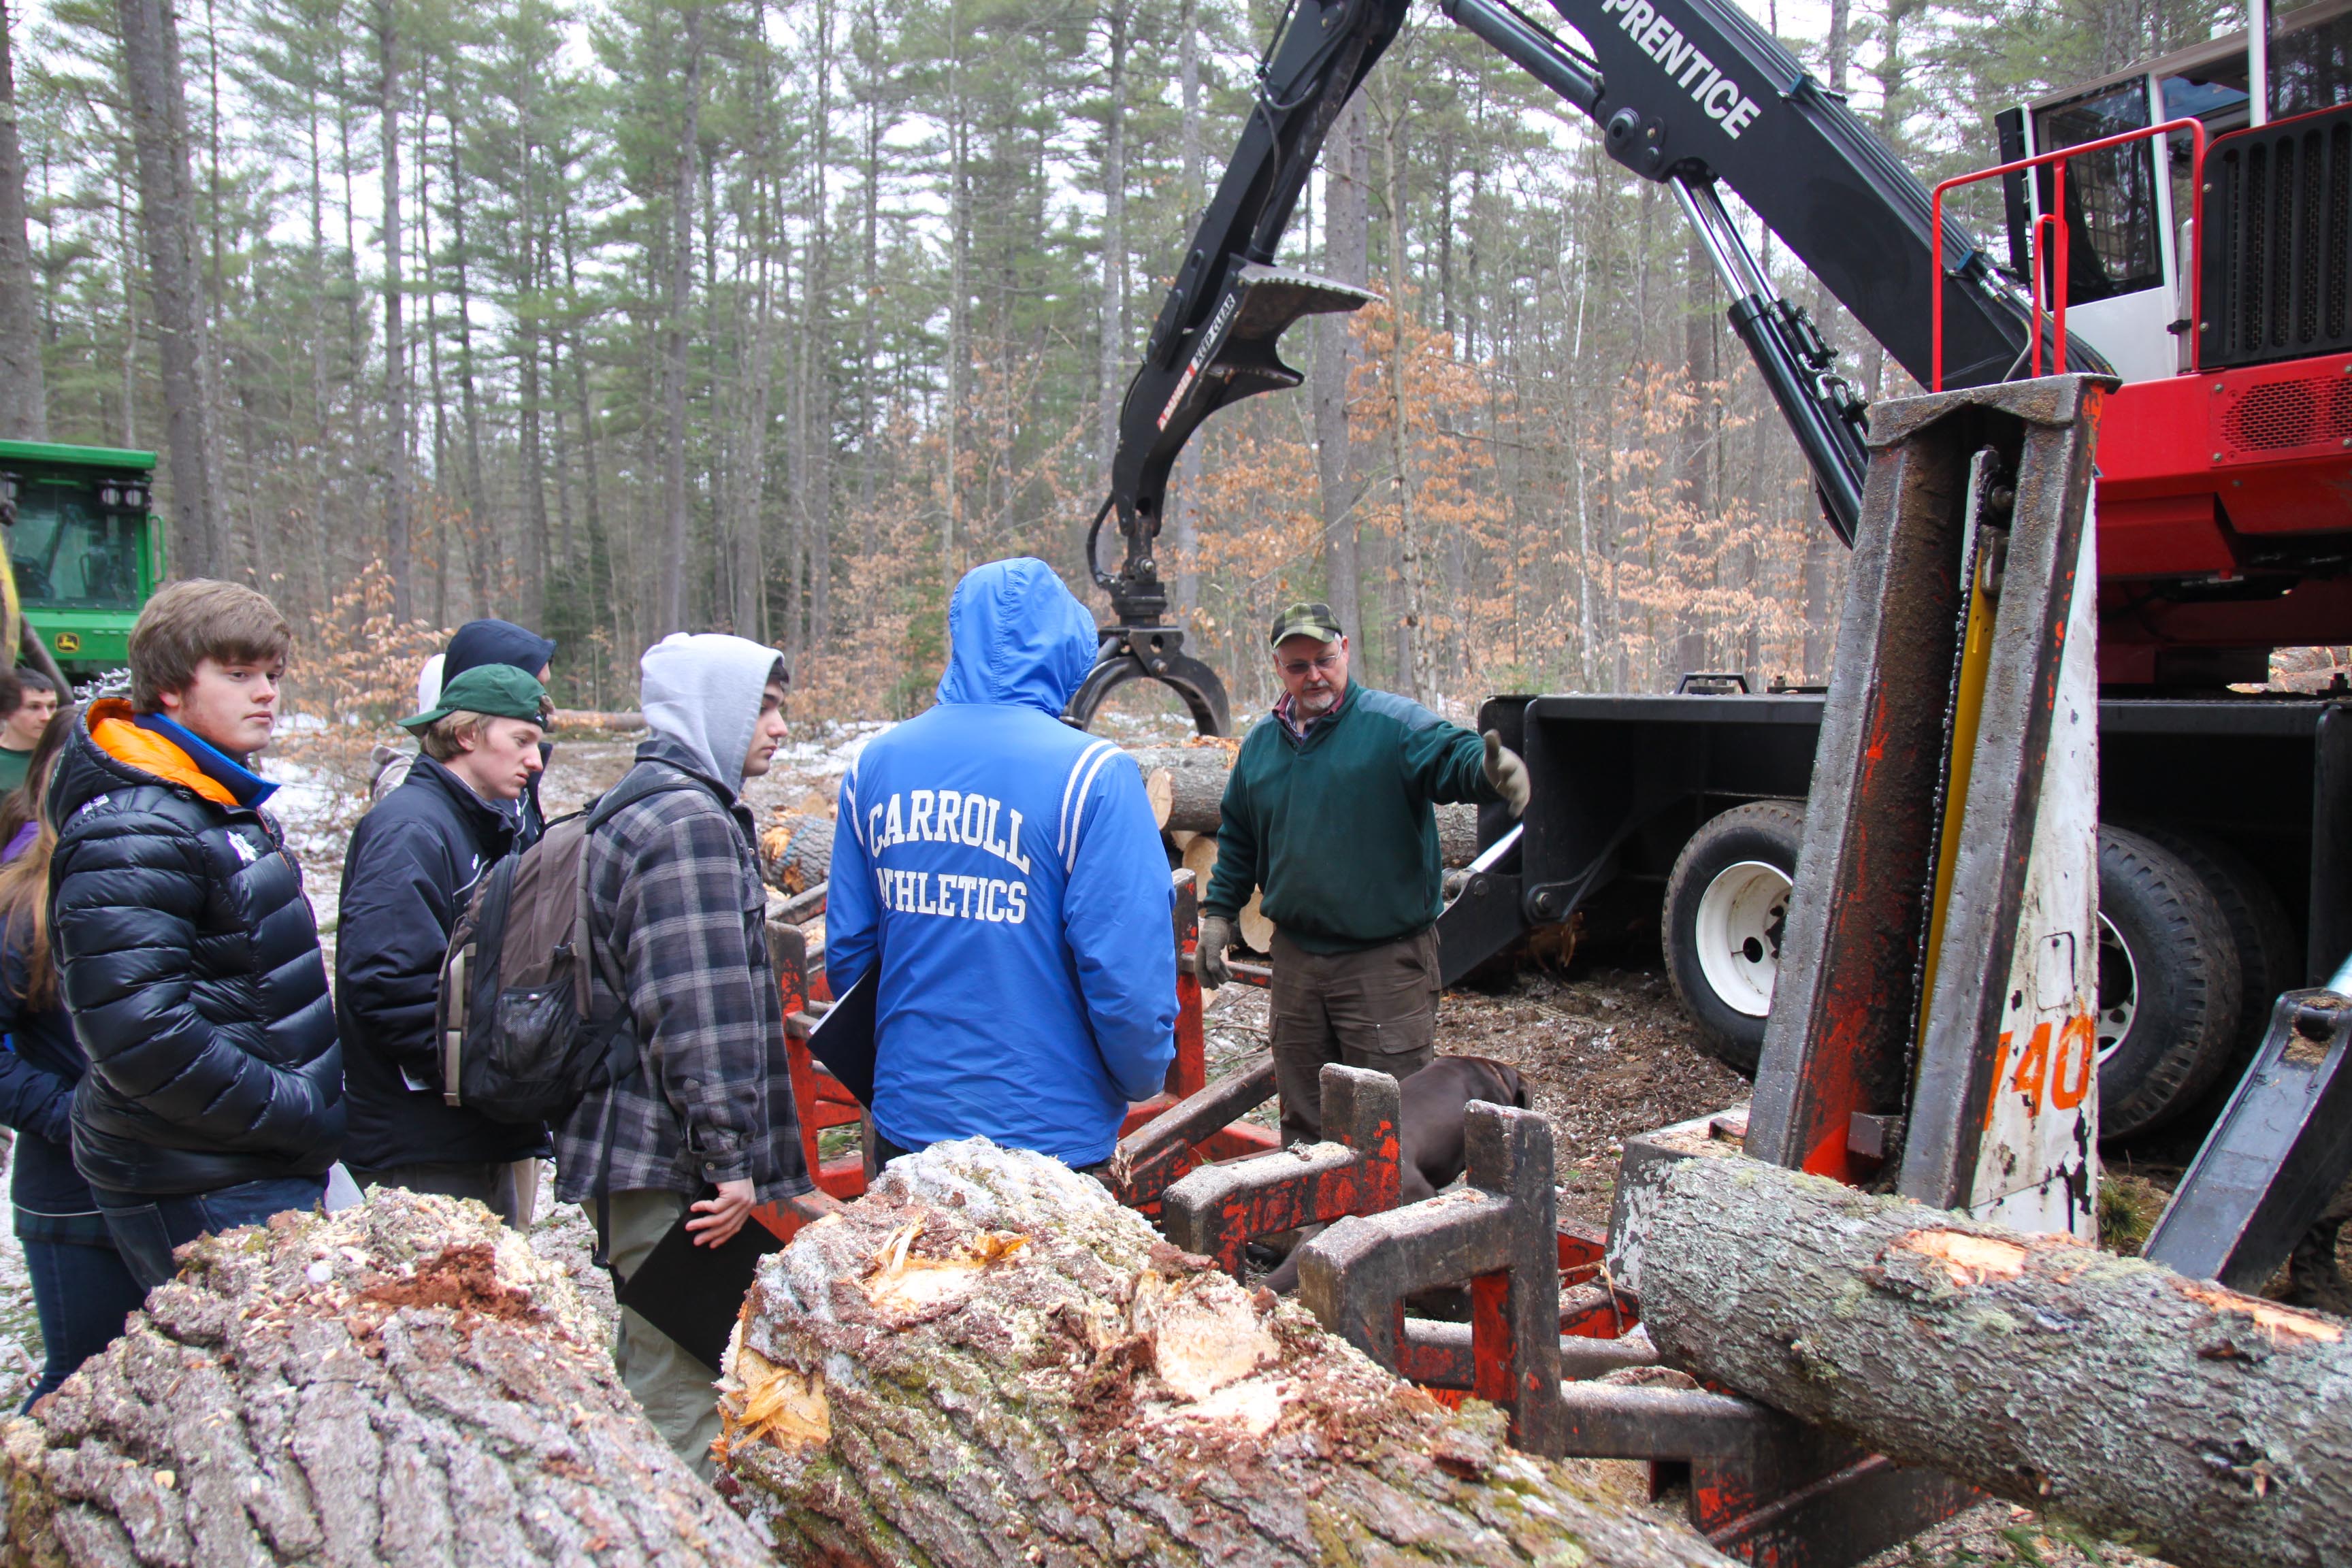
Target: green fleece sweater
pixel 1339 830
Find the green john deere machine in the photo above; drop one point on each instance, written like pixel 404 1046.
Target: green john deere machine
pixel 85 551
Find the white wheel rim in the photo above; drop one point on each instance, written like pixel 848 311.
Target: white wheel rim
pixel 1738 933
pixel 2115 1012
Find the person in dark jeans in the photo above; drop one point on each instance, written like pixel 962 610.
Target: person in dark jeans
pixel 410 872
pixel 185 950
pixel 81 1288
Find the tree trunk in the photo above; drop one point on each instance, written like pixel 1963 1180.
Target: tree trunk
pixel 24 397
pixel 988 1361
pixel 2210 1427
pixel 395 352
pixel 1416 639
pixel 1346 243
pixel 167 222
pixel 674 369
pixel 1112 343
pixel 1184 533
pixel 406 1383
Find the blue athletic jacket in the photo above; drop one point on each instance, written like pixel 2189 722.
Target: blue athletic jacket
pixel 1005 871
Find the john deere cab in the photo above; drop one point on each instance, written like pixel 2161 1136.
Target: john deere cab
pixel 84 549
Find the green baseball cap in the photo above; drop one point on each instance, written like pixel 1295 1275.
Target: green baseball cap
pixel 500 691
pixel 1306 620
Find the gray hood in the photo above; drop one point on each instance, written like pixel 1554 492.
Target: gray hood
pixel 702 691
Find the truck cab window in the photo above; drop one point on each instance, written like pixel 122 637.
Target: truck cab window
pixel 2216 94
pixel 2310 57
pixel 69 552
pixel 2110 202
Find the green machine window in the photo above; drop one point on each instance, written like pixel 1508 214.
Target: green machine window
pixel 70 552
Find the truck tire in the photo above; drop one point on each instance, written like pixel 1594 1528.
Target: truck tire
pixel 1727 905
pixel 2269 958
pixel 2169 987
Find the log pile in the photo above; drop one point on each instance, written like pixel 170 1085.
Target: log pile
pixel 986 1361
pixel 1186 786
pixel 796 851
pixel 406 1383
pixel 2194 1422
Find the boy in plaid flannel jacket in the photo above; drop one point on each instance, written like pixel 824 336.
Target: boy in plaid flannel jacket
pixel 676 901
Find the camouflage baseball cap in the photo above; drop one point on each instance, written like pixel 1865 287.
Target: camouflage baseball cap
pixel 1306 620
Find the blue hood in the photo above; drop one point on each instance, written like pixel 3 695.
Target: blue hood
pixel 1016 635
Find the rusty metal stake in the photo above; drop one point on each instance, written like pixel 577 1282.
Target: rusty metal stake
pixel 1500 1233
pixel 1217 1209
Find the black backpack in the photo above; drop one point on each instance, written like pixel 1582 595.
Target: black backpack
pixel 520 1041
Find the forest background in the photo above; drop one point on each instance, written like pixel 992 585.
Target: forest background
pixel 617 317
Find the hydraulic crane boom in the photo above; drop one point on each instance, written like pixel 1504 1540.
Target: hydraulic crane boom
pixel 1688 93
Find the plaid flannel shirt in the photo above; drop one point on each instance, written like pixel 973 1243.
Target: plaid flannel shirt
pixel 675 897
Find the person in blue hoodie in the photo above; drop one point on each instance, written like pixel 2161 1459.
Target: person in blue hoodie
pixel 1004 872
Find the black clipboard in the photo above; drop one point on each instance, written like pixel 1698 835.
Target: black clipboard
pixel 844 1038
pixel 694 1294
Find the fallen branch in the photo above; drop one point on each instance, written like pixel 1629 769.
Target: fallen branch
pixel 988 1361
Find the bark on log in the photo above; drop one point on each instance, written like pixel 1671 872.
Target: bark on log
pixel 796 851
pixel 2202 1426
pixel 1193 779
pixel 1457 834
pixel 406 1383
pixel 986 1361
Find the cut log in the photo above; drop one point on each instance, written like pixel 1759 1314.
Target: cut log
pixel 1201 859
pixel 1191 779
pixel 986 1361
pixel 406 1382
pixel 1160 789
pixel 796 851
pixel 2202 1426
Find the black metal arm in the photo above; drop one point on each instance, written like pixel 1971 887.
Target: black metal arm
pixel 1690 93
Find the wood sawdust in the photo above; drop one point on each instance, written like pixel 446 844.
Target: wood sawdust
pixel 1200 1340
pixel 1972 1259
pixel 772 1403
pixel 903 1284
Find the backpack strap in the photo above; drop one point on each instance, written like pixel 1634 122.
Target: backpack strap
pixel 619 1042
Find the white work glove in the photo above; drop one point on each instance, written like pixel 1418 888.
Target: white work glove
pixel 1209 958
pixel 1507 773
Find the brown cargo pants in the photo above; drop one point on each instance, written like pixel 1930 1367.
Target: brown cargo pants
pixel 1375 1009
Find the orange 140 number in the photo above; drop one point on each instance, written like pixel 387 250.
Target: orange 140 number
pixel 2065 1078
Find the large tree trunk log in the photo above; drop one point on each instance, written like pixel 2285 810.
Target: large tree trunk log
pixel 986 1361
pixel 2203 1425
pixel 406 1382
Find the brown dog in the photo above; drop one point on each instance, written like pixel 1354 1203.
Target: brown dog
pixel 1429 1108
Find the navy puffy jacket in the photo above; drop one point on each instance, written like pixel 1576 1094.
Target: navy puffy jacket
pixel 1005 871
pixel 189 959
pixel 409 873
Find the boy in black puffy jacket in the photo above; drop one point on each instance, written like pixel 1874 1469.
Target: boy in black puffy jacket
pixel 187 953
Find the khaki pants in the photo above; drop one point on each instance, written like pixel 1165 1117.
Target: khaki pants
pixel 675 1389
pixel 1375 1009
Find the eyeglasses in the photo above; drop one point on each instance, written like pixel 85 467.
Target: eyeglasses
pixel 1327 663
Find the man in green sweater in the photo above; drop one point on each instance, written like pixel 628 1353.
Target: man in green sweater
pixel 1327 809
